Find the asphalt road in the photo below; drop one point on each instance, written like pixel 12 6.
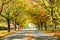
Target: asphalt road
pixel 35 35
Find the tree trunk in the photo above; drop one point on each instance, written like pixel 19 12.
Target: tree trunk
pixel 52 12
pixel 8 21
pixel 55 25
pixel 41 26
pixel 15 25
pixel 45 26
pixel 38 26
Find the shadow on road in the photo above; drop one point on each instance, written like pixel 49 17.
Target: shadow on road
pixel 29 35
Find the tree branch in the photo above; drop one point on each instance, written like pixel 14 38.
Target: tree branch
pixel 3 16
pixel 3 6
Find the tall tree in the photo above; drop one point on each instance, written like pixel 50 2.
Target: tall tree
pixel 5 11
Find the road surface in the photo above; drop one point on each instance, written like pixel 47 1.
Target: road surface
pixel 29 35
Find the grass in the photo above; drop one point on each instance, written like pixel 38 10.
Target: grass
pixel 52 33
pixel 5 33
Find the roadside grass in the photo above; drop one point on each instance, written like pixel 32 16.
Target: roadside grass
pixel 5 33
pixel 53 33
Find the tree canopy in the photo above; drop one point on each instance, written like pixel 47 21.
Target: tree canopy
pixel 36 11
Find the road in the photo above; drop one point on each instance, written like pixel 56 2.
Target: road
pixel 29 35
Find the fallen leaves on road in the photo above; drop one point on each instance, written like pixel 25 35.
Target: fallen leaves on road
pixel 29 35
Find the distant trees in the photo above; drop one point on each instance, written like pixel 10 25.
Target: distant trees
pixel 52 9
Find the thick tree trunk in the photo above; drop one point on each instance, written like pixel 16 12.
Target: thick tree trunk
pixel 8 21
